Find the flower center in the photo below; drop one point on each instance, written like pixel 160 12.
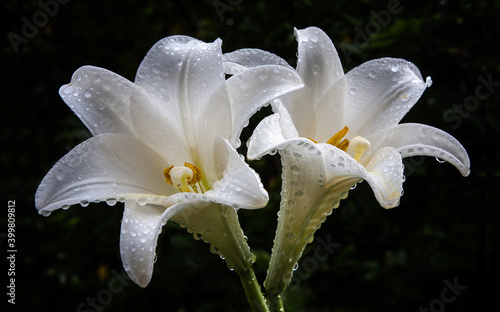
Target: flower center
pixel 184 178
pixel 358 144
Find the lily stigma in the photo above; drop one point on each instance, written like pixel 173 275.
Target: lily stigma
pixel 184 178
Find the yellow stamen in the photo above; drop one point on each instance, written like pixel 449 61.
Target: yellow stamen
pixel 166 173
pixel 336 139
pixel 358 144
pixel 343 145
pixel 196 173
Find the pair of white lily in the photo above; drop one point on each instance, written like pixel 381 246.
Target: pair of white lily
pixel 165 145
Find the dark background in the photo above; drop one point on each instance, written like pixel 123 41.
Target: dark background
pixel 388 260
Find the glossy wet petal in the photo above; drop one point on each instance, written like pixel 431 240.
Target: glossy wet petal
pixel 182 73
pixel 177 69
pixel 329 113
pixel 298 217
pixel 240 60
pixel 266 137
pixel 140 228
pixel 340 166
pixel 385 176
pixel 273 133
pixel 319 67
pixel 104 167
pixel 255 87
pixel 318 63
pixel 100 98
pixel 238 185
pixel 379 93
pixel 157 127
pixel 417 139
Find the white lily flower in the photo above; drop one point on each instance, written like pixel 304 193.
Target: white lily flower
pixel 335 132
pixel 165 146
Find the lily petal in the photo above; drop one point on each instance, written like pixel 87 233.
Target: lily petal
pixel 253 88
pixel 299 215
pixel 319 63
pixel 379 93
pixel 266 137
pixel 286 123
pixel 340 167
pixel 412 139
pixel 140 228
pixel 179 68
pixel 319 67
pixel 142 224
pixel 329 113
pixel 385 176
pixel 239 185
pixel 103 167
pixel 272 133
pixel 100 98
pixel 157 127
pixel 240 60
pixel 182 72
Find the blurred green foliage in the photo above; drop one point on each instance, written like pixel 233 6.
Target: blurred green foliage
pixel 396 260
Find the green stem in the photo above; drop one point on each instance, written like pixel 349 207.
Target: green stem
pixel 275 302
pixel 253 291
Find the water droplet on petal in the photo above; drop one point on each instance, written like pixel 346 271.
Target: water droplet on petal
pixel 428 82
pixel 299 194
pixel 439 160
pixel 111 201
pixel 295 169
pixel 315 69
pixel 68 90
